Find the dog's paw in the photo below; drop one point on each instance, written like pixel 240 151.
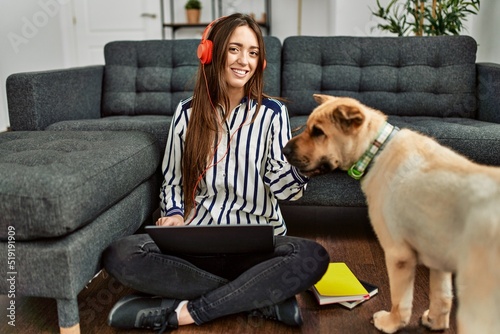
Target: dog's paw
pixel 436 323
pixel 387 322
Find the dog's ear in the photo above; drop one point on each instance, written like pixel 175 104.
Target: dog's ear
pixel 348 117
pixel 322 98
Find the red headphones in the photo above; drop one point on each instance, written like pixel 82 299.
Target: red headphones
pixel 204 51
pixel 205 47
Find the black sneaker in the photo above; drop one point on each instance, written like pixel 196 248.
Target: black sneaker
pixel 137 311
pixel 288 312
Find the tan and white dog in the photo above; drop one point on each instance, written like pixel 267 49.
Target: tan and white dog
pixel 426 203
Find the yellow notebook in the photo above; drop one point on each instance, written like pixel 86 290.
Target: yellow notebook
pixel 339 280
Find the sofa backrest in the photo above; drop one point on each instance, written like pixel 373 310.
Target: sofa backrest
pixel 151 77
pixel 408 76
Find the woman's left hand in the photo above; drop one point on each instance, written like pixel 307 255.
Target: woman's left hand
pixel 175 220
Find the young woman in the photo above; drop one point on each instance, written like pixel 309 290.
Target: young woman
pixel 223 165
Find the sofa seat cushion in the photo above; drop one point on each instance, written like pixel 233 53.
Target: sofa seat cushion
pixel 54 182
pixel 477 140
pixel 157 125
pixel 336 189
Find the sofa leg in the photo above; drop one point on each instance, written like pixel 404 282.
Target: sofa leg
pixel 69 320
pixel 70 330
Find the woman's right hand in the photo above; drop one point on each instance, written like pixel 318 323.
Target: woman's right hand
pixel 175 220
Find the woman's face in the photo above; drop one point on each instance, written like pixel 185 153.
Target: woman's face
pixel 242 58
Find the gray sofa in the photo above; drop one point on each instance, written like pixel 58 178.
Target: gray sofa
pixel 430 84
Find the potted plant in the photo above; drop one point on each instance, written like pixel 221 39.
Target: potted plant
pixel 425 17
pixel 193 10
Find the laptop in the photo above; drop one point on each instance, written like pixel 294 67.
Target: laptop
pixel 213 239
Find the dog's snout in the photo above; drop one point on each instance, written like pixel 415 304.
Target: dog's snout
pixel 288 149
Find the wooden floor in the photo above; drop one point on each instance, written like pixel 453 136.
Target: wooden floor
pixel 347 236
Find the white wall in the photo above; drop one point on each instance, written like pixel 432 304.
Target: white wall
pixel 34 37
pixel 484 28
pixel 354 18
pixel 30 40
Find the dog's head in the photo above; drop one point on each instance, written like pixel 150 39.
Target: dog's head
pixel 337 133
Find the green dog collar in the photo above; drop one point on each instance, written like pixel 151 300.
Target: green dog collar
pixel 358 169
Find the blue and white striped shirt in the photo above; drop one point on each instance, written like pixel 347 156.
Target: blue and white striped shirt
pixel 245 185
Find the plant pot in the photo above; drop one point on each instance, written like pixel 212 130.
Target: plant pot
pixel 193 16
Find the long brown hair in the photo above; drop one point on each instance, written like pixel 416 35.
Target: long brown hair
pixel 211 90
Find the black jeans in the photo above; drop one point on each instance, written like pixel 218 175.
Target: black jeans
pixel 222 284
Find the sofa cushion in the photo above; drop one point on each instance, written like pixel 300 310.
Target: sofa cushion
pixel 477 140
pixel 157 125
pixel 54 182
pixel 151 77
pixel 406 76
pixel 336 189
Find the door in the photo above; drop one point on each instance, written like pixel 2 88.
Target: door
pixel 98 22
